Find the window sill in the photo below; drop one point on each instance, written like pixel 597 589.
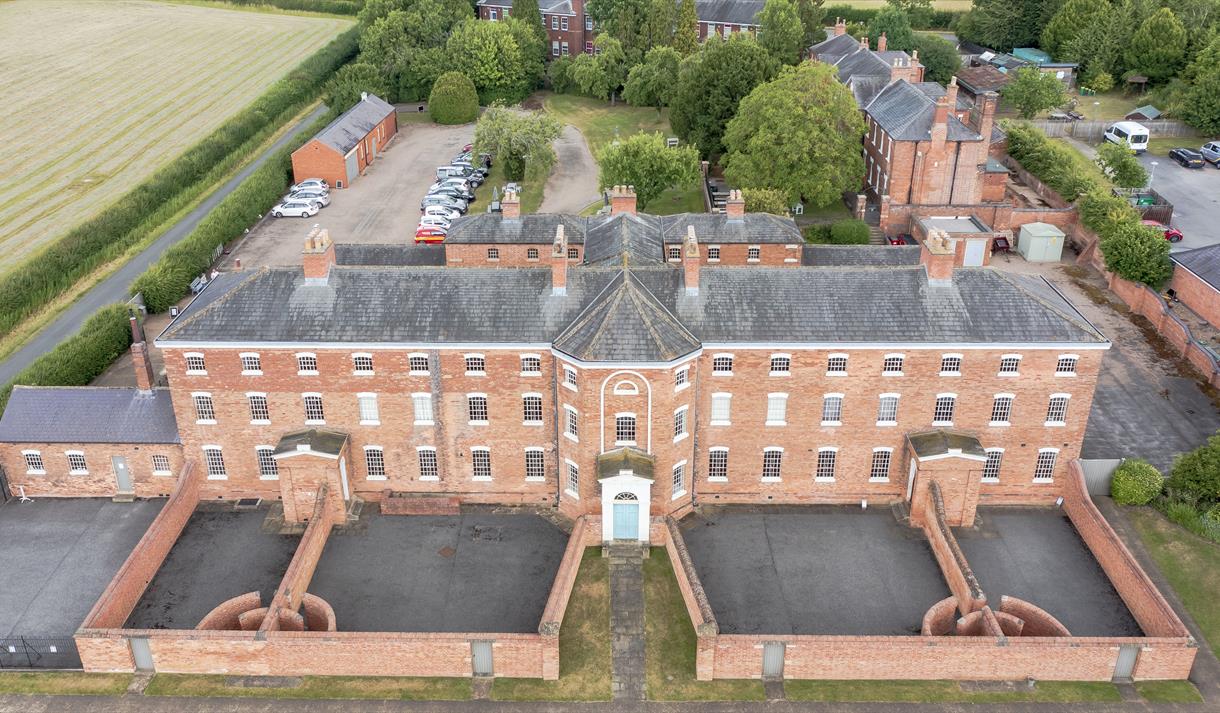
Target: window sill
pixel 429 478
pixel 1000 424
pixel 308 422
pixel 771 480
pixel 681 437
pixel 196 373
pixel 370 423
pixel 205 422
pixel 425 423
pixel 781 373
pixel 418 373
pixel 307 373
pixel 950 373
pixel 571 494
pixel 481 478
pixel 721 423
pixel 252 373
pixel 260 422
pixel 568 386
pixel 1065 375
pixel 570 437
pixel 1008 374
pixel 884 424
pixel 476 373
pixel 1043 481
pixel 832 423
pixel 776 423
pixel 891 373
pixel 261 477
pixel 363 373
pixel 717 479
pixel 947 424
pixel 753 260
pixel 722 373
pixel 989 480
pixel 162 473
pixel 376 477
pixel 823 480
pixel 624 443
pixel 678 494
pixel 218 477
pixel 531 423
pixel 476 423
pixel 836 373
pixel 43 472
pixel 541 479
pixel 878 480
pixel 713 260
pixel 682 387
pixel 531 373
pixel 1055 424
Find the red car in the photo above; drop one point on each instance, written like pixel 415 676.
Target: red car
pixel 1173 235
pixel 429 234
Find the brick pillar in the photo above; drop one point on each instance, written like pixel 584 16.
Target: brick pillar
pixel 140 360
pixel 622 200
pixel 559 263
pixel 735 206
pixel 705 658
pixel 318 256
pixel 690 261
pixel 881 43
pixel 510 205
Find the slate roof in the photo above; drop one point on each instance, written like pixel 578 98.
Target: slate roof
pixel 1204 262
pixel 626 323
pixel 729 12
pixel 311 440
pixel 353 125
pixel 940 442
pixel 38 414
pixel 907 111
pixel 860 255
pixel 611 463
pixel 983 78
pixel 389 255
pixel 561 7
pixel 838 45
pixel 613 239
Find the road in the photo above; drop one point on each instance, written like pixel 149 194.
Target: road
pixel 116 287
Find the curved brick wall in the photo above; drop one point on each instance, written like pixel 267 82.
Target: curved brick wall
pixel 1037 621
pixel 1009 624
pixel 227 616
pixel 940 618
pixel 319 615
pixel 252 620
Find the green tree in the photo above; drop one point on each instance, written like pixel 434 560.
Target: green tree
pixel 652 82
pixel 589 77
pixel 1137 253
pixel 1005 24
pixel 1121 166
pixel 938 56
pixel 1202 106
pixel 533 46
pixel 626 21
pixel 896 26
pixel 384 44
pixel 659 24
pixel 765 200
pixel 453 99
pixel 1101 210
pixel 813 18
pixel 919 11
pixel 559 75
pixel 344 89
pixel 800 134
pixel 1207 59
pixel 1158 47
pixel 710 84
pixel 420 69
pixel 643 161
pixel 488 54
pixel 686 34
pixel 1032 91
pixel 612 57
pixel 1070 21
pixel 515 137
pixel 1197 474
pixel 780 30
pixel 527 12
pixel 1136 482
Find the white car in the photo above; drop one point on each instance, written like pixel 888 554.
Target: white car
pixel 459 183
pixel 440 211
pixel 434 221
pixel 319 197
pixel 311 183
pixel 300 209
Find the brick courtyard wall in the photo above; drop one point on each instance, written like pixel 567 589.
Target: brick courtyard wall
pixel 226 616
pixel 953 565
pixel 1038 622
pixel 561 592
pixel 695 598
pixel 295 583
pixel 128 584
pixel 1196 294
pixel 100 481
pixel 940 618
pixel 1150 305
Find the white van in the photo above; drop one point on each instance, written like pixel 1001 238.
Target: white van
pixel 1129 133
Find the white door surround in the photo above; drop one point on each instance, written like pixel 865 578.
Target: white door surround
pixel 628 484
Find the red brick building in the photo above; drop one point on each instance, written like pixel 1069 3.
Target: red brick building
pixel 341 151
pixel 1196 281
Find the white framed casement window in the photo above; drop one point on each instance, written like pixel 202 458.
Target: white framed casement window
pixel 531 365
pixel 76 463
pixel 887 410
pixel 950 364
pixel 892 364
pixel 569 377
pixel 991 467
pixel 33 462
pixel 535 471
pixel 1010 365
pixel 1044 467
pixel 418 364
pixel 476 409
pixel 205 410
pixel 827 460
pixel 268 469
pixel 421 404
pixel 713 253
pixel 1066 365
pixel 307 364
pixel 772 464
pixel 160 464
pixel 626 388
pixel 362 364
pixel 832 410
pixel 480 463
pixel 251 364
pixel 374 463
pixel 370 415
pixel 777 410
pixel 571 426
pixel 942 412
pixel 681 378
pixel 260 411
pixel 531 409
pixel 493 254
pixel 195 364
pixel 722 365
pixel 1001 409
pixel 624 429
pixel 572 483
pixel 315 415
pixel 563 25
pixel 718 464
pixel 721 409
pixel 836 365
pixel 673 253
pixel 678 480
pixel 680 430
pixel 493 15
pixel 476 365
pixel 428 470
pixel 531 254
pixel 554 22
pixel 214 461
pixel 753 253
pixel 781 365
pixel 879 470
pixel 1057 410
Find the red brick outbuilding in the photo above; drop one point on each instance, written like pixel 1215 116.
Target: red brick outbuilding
pixel 341 151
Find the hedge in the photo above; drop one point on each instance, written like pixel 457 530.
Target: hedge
pixel 333 7
pixel 843 232
pixel 1136 482
pixel 46 275
pixel 937 19
pixel 1057 165
pixel 453 99
pixel 82 357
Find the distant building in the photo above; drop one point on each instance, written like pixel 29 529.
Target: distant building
pixel 341 151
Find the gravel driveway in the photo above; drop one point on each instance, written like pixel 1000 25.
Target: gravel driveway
pixel 573 182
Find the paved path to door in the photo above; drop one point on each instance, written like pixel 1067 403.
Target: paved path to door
pixel 627 622
pixel 117 287
pixel 572 185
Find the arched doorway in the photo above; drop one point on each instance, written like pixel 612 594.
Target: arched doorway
pixel 626 517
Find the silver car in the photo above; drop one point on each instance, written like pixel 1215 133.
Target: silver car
pixel 300 209
pixel 1211 153
pixel 316 184
pixel 320 197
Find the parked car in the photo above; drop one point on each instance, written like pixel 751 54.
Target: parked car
pixel 300 209
pixel 457 204
pixel 434 220
pixel 1130 133
pixel 1173 235
pixel 1211 153
pixel 312 183
pixel 430 234
pixel 901 239
pixel 452 192
pixel 464 171
pixel 450 214
pixel 322 198
pixel 1187 158
pixel 460 183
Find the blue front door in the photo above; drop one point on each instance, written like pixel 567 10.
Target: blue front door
pixel 626 521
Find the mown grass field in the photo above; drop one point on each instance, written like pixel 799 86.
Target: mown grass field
pixel 117 90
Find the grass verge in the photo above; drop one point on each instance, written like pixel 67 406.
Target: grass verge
pixel 414 117
pixel 531 190
pixel 584 643
pixel 669 644
pixel 317 687
pixel 602 123
pixel 1168 692
pixel 678 200
pixel 946 692
pixel 64 683
pixel 1160 146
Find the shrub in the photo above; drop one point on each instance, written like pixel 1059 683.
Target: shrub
pixel 1197 474
pixel 1136 482
pixel 765 200
pixel 453 99
pixel 849 232
pixel 934 20
pixel 559 76
pixel 817 233
pixel 1137 252
pixel 1057 165
pixel 334 7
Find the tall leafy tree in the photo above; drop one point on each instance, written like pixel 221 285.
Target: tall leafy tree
pixel 533 46
pixel 686 34
pixel 624 20
pixel 938 56
pixel 1032 91
pixel 651 83
pixel 800 134
pixel 527 12
pixel 1202 106
pixel 710 84
pixel 344 89
pixel 644 161
pixel 488 54
pixel 1120 164
pixel 1074 18
pixel 896 26
pixel 1137 253
pixel 512 136
pixel 780 30
pixel 1158 47
pixel 659 24
pixel 421 67
pixel 1005 24
pixel 813 18
pixel 919 11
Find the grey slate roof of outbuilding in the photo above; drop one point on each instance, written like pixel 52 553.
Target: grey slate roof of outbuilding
pixel 626 323
pixel 1204 262
pixel 943 442
pixel 603 236
pixel 729 12
pixel 615 238
pixel 860 255
pixel 311 440
pixel 838 45
pixel 353 125
pixel 389 255
pixel 40 414
pixel 907 112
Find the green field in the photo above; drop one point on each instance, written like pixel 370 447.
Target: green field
pixel 961 5
pixel 117 90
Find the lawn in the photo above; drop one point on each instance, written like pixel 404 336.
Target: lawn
pixel 80 139
pixel 64 683
pixel 669 647
pixel 1168 691
pixel 959 5
pixel 531 190
pixel 1160 146
pixel 1113 104
pixel 584 643
pixel 316 687
pixel 946 692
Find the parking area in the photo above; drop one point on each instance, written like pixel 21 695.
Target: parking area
pixel 221 554
pixel 1195 195
pixel 1035 554
pixel 473 572
pixel 382 206
pixel 813 570
pixel 58 554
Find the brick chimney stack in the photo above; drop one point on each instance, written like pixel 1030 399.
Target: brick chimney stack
pixel 938 255
pixel 318 256
pixel 864 42
pixel 735 206
pixel 983 116
pixel 951 93
pixel 690 261
pixel 510 206
pixel 881 43
pixel 622 200
pixel 840 26
pixel 559 263
pixel 916 67
pixel 145 379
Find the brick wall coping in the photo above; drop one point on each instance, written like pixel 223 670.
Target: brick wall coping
pixel 339 636
pixel 697 605
pixel 940 529
pixel 565 580
pixel 1119 285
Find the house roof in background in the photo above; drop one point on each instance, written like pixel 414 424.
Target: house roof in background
pixel 1204 262
pixel 729 12
pixel 75 414
pixel 983 78
pixel 345 132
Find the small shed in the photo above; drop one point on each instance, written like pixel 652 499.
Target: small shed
pixel 1040 242
pixel 1146 112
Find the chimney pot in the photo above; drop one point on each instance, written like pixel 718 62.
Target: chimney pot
pixel 622 200
pixel 864 42
pixel 364 96
pixel 881 43
pixel 510 206
pixel 735 206
pixel 840 26
pixel 690 261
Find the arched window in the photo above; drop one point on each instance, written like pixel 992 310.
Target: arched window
pixel 626 388
pixel 626 496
